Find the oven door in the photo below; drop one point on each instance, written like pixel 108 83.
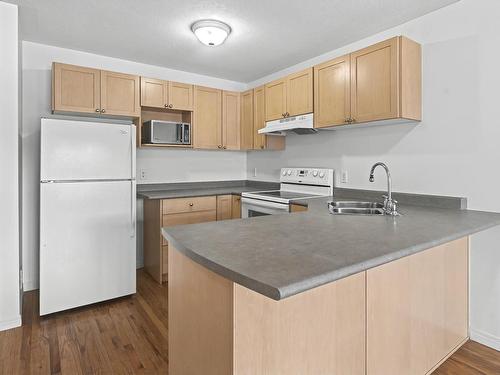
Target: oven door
pixel 255 207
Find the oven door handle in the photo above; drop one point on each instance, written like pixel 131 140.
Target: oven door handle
pixel 265 204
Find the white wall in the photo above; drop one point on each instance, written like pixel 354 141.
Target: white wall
pixel 454 151
pixel 160 165
pixel 9 217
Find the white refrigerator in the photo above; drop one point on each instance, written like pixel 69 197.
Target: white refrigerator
pixel 87 213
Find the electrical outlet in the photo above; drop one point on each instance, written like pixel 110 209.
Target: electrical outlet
pixel 344 177
pixel 143 175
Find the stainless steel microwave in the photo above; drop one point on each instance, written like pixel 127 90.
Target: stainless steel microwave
pixel 166 132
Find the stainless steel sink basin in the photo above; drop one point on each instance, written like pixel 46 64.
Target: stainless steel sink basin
pixel 356 208
pixel 355 204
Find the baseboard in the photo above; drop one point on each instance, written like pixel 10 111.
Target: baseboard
pixel 485 339
pixel 30 285
pixel 8 324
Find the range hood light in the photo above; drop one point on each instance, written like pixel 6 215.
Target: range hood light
pixel 210 32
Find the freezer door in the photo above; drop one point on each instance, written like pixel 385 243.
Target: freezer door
pixel 87 243
pixel 80 150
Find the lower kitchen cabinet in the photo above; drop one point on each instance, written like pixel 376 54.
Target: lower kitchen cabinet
pixel 224 209
pixel 160 213
pixel 236 207
pixel 297 208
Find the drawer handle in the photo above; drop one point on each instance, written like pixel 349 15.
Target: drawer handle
pixel 190 204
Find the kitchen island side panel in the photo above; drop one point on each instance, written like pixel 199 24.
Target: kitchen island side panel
pixel 219 327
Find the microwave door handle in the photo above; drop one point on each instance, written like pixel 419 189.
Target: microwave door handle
pixel 184 127
pixel 181 128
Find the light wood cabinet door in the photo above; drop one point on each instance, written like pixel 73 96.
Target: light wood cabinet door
pixel 261 141
pixel 332 90
pixel 275 97
pixel 236 207
pixel 207 118
pixel 180 96
pixel 299 97
pixel 374 82
pixel 224 207
pixel 230 120
pixel 259 117
pixel 75 89
pixel 153 92
pixel 120 94
pixel 417 310
pixel 246 126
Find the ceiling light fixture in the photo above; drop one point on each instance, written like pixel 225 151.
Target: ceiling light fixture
pixel 210 32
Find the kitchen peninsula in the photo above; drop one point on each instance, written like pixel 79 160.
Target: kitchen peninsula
pixel 315 293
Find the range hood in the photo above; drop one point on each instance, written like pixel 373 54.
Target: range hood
pixel 301 124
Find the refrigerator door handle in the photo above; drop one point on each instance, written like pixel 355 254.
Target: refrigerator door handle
pixel 133 209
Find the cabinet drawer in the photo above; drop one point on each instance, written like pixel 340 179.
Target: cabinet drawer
pixel 189 218
pixel 180 205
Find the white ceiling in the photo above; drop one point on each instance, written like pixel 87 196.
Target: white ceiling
pixel 268 35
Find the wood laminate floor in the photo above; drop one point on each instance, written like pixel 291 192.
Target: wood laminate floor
pixel 129 336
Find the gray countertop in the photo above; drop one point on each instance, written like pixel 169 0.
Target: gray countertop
pixel 282 255
pixel 199 189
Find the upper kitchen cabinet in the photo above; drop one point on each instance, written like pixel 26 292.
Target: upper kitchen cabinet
pixel 76 89
pixel 332 92
pixel 275 97
pixel 207 118
pixel 84 90
pixel 386 81
pixel 289 96
pixel 180 96
pixel 153 93
pixel 380 82
pixel 120 94
pixel 157 93
pixel 246 126
pixel 262 141
pixel 299 97
pixel 231 120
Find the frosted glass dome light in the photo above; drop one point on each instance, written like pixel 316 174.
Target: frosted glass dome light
pixel 210 32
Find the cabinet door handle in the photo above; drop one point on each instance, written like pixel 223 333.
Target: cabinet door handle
pixel 166 105
pixel 170 106
pixel 262 147
pixel 224 147
pixel 219 146
pixel 103 110
pixel 97 110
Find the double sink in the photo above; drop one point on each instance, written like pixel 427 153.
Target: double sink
pixel 356 208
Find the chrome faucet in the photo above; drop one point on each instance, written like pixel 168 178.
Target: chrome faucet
pixel 389 203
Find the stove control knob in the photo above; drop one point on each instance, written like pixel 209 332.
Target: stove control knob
pixel 321 174
pixel 289 172
pixel 284 172
pixel 315 173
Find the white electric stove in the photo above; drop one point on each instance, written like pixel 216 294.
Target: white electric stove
pixel 295 184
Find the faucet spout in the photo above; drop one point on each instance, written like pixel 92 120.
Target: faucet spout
pixel 389 203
